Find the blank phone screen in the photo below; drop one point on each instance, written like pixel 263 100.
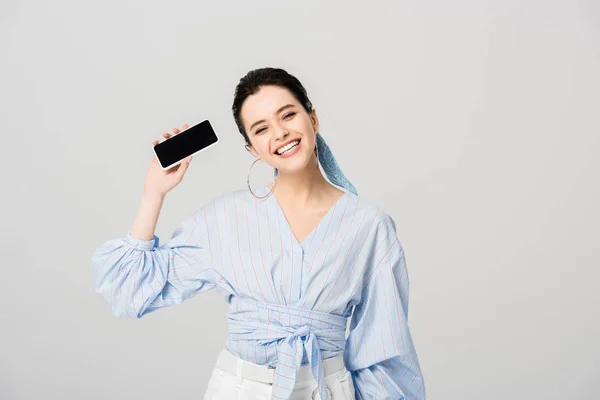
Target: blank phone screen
pixel 185 143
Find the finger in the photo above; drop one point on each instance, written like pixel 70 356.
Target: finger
pixel 175 131
pixel 167 135
pixel 185 126
pixel 184 166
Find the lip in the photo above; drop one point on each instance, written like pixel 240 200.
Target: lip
pixel 292 152
pixel 285 144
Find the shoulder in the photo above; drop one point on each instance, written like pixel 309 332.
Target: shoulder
pixel 381 239
pixel 381 232
pixel 380 217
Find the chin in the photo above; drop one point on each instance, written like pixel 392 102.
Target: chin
pixel 296 164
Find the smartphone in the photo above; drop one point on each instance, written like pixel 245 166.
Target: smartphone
pixel 174 150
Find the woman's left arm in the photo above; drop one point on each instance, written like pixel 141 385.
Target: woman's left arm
pixel 379 352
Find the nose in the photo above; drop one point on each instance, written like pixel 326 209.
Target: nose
pixel 282 133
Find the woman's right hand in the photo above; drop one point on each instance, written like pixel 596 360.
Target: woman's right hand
pixel 158 181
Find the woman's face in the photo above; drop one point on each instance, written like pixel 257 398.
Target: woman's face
pixel 272 117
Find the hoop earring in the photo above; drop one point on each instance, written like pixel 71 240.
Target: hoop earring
pixel 248 181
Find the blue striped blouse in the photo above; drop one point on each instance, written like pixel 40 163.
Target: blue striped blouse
pixel 288 301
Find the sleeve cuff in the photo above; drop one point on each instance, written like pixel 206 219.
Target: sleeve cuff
pixel 141 244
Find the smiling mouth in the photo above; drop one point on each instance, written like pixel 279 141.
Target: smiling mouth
pixel 289 150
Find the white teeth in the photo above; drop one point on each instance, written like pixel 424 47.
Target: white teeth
pixel 287 147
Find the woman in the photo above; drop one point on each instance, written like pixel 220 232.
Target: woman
pixel 294 259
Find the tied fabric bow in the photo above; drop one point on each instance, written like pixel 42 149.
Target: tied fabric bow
pixel 286 328
pixel 330 166
pixel 291 352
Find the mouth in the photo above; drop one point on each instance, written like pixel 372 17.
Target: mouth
pixel 290 150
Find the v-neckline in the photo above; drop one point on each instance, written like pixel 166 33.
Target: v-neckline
pixel 315 228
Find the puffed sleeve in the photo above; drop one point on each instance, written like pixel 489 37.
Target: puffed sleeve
pixel 136 277
pixel 380 353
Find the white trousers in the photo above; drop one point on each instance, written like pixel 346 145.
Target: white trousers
pixel 230 385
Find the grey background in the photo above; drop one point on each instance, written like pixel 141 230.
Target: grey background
pixel 473 123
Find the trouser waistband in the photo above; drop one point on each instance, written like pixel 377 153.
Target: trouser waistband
pixel 234 365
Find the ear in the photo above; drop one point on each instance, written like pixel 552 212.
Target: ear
pixel 251 151
pixel 315 120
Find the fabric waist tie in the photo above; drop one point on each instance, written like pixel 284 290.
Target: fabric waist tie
pixel 318 332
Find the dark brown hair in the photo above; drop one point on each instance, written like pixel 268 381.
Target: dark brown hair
pixel 254 80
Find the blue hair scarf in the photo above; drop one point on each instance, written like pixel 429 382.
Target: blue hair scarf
pixel 330 166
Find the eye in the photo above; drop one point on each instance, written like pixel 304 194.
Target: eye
pixel 290 115
pixel 259 131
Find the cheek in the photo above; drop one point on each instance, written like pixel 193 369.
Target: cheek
pixel 261 145
pixel 303 125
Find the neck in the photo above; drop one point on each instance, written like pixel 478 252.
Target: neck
pixel 308 188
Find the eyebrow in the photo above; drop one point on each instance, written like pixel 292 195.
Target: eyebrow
pixel 278 111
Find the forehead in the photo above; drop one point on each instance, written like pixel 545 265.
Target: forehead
pixel 265 102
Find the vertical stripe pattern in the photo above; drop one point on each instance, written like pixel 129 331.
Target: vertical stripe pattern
pixel 289 299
